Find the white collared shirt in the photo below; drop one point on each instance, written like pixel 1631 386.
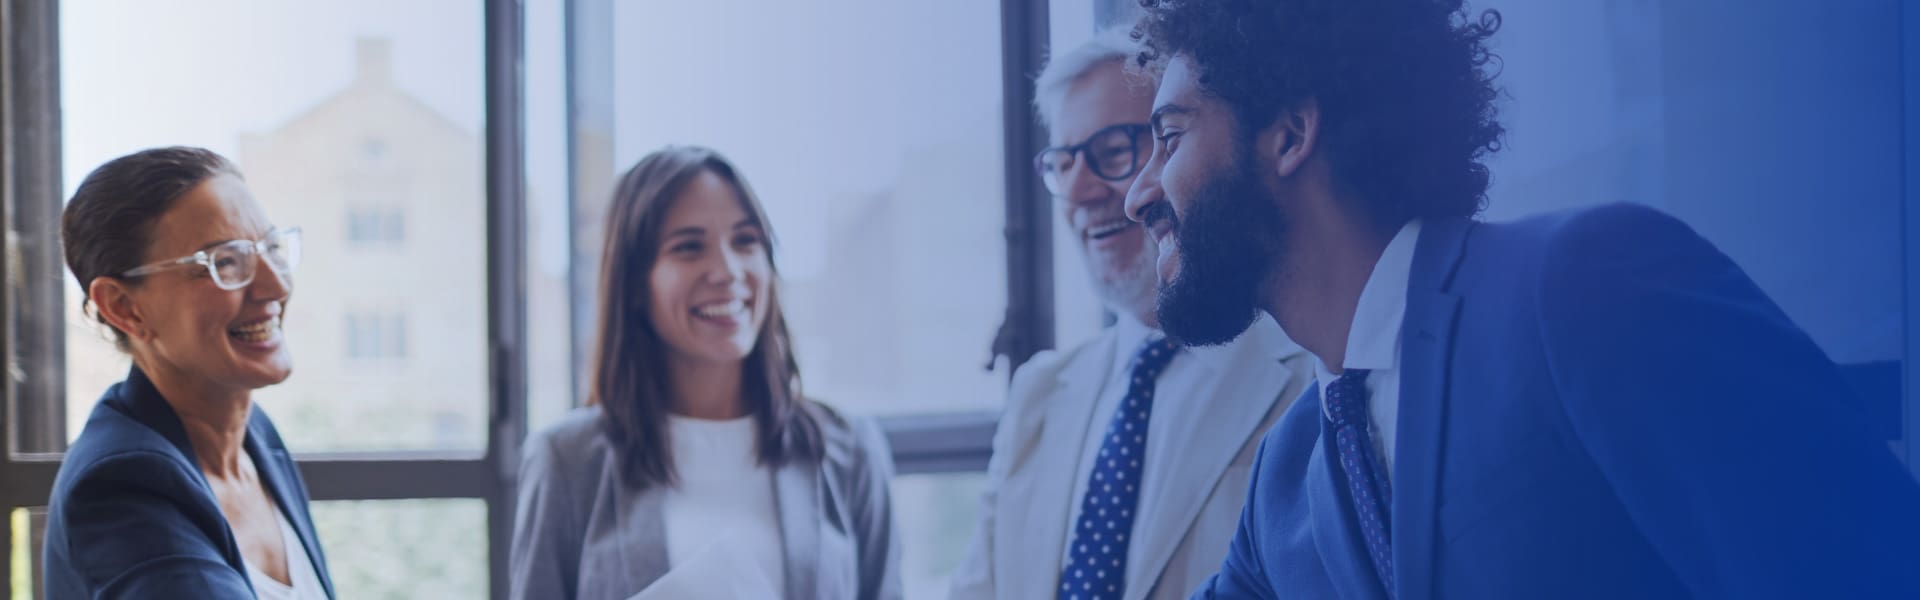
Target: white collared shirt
pixel 1177 384
pixel 1373 343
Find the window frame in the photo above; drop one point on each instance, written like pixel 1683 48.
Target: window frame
pixel 30 179
pixel 30 169
pixel 940 442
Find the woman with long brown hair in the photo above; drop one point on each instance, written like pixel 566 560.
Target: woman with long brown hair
pixel 698 464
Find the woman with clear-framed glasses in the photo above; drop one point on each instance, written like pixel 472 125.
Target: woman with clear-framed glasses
pixel 179 487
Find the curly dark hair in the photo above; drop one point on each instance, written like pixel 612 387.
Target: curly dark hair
pixel 1405 93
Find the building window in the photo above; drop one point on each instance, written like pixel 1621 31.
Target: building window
pixel 376 335
pixel 376 224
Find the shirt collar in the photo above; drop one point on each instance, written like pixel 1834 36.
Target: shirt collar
pixel 1129 334
pixel 1373 342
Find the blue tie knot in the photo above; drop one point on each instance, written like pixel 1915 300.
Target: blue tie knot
pixel 1347 398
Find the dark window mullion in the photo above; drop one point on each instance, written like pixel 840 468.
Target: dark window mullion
pixel 506 277
pixel 28 483
pixel 942 443
pixel 384 479
pixel 1029 230
pixel 34 270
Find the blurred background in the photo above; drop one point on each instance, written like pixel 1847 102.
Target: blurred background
pixel 450 162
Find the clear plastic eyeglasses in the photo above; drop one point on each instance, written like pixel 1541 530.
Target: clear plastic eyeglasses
pixel 232 264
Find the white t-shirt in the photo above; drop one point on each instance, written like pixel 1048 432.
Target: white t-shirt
pixel 306 583
pixel 723 493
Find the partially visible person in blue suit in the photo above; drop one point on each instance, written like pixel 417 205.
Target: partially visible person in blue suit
pixel 1589 404
pixel 179 487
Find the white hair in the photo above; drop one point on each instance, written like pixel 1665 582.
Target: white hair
pixel 1050 88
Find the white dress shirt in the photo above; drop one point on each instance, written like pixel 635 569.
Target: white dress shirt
pixel 304 583
pixel 722 495
pixel 1373 343
pixel 1176 383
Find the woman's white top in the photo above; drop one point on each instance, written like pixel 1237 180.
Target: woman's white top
pixel 723 500
pixel 306 583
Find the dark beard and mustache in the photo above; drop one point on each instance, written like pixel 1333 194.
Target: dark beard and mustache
pixel 1229 241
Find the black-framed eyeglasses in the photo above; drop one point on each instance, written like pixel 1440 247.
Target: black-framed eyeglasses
pixel 1113 154
pixel 232 263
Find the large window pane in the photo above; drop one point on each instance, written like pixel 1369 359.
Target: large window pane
pixel 872 131
pixel 360 122
pixel 936 515
pixel 549 354
pixel 405 549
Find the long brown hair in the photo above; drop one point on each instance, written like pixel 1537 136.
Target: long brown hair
pixel 630 377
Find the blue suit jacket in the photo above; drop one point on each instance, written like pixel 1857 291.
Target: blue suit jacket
pixel 132 516
pixel 1593 404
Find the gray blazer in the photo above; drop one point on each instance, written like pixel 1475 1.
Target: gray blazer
pixel 1023 528
pixel 578 534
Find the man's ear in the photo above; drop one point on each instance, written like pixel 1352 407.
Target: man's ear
pixel 1289 141
pixel 113 299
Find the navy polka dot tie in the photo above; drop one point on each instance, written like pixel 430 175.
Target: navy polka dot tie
pixel 1097 560
pixel 1366 480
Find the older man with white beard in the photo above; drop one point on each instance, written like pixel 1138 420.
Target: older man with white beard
pixel 1120 464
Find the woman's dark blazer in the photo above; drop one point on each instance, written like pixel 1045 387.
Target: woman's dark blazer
pixel 132 517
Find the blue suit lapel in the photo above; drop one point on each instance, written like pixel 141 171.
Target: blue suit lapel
pixel 137 396
pixel 1335 530
pixel 141 400
pixel 277 473
pixel 1426 346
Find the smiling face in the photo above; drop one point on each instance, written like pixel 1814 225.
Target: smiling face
pixel 1118 253
pixel 710 285
pixel 1217 222
pixel 179 321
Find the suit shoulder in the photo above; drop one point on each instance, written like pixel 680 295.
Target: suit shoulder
pixel 577 427
pixel 1616 227
pixel 1612 217
pixel 146 467
pixel 111 441
pixel 1035 376
pixel 1054 361
pixel 1558 255
pixel 838 429
pixel 120 479
pixel 851 443
pixel 1584 249
pixel 570 442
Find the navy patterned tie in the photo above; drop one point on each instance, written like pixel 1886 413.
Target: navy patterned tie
pixel 1366 479
pixel 1097 559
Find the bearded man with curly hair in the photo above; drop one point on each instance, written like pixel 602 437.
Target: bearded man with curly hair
pixel 1594 403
